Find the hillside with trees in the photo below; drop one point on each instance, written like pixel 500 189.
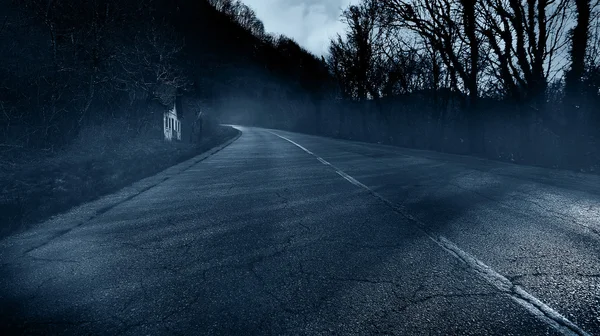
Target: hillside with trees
pixel 68 64
pixel 84 86
pixel 517 81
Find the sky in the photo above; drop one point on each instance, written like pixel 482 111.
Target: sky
pixel 311 23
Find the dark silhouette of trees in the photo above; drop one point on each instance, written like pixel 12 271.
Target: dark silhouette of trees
pixel 523 51
pixel 512 52
pixel 361 44
pixel 516 80
pixel 579 42
pixel 80 63
pixel 436 22
pixel 242 14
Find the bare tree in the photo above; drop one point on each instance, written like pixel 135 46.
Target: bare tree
pixel 360 41
pixel 340 64
pixel 579 43
pixel 449 28
pixel 242 14
pixel 525 38
pixel 151 65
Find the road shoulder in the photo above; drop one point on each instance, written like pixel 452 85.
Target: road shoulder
pixel 86 208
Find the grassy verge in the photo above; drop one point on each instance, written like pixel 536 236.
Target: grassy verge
pixel 36 186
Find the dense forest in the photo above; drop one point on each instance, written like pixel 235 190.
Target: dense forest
pixel 84 86
pixel 503 79
pixel 68 65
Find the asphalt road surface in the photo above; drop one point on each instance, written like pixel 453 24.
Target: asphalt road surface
pixel 289 234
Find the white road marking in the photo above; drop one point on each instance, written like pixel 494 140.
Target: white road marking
pixel 323 161
pixel 536 307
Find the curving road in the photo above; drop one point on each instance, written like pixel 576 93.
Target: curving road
pixel 288 234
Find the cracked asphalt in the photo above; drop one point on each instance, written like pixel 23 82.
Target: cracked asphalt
pixel 262 238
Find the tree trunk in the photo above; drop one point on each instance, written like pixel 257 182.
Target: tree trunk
pixel 579 41
pixel 436 136
pixel 475 121
pixel 525 122
pixel 365 127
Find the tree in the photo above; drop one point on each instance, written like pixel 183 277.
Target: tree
pixel 579 43
pixel 242 14
pixel 360 44
pixel 447 27
pixel 525 38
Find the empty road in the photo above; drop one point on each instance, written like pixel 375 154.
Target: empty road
pixel 287 234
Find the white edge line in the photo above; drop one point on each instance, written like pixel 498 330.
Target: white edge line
pixel 536 307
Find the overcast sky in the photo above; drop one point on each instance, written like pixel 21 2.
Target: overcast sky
pixel 311 23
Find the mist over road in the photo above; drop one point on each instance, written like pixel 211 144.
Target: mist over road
pixel 283 233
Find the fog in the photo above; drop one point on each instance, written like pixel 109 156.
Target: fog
pixel 87 85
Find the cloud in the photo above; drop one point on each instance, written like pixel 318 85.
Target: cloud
pixel 311 23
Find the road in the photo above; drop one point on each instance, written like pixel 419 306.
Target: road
pixel 289 234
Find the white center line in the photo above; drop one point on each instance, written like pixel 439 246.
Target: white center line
pixel 536 307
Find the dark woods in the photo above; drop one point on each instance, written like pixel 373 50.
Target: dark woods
pixel 511 80
pixel 68 66
pixel 505 79
pixel 84 87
